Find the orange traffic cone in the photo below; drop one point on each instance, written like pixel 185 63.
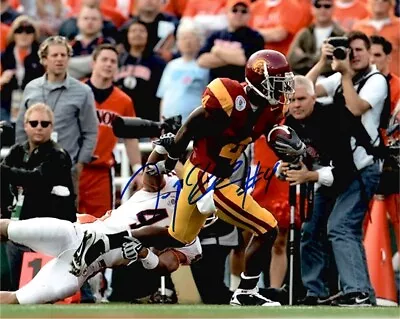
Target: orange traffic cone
pixel 379 255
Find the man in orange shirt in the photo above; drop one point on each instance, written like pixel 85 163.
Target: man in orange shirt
pixel 382 22
pixel 96 184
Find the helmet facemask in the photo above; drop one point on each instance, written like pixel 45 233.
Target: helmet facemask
pixel 275 89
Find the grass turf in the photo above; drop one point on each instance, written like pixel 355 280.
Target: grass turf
pixel 120 310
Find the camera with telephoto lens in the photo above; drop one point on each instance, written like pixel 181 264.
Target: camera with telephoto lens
pixel 341 45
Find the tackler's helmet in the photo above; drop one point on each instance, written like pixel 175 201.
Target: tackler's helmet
pixel 286 144
pixel 268 73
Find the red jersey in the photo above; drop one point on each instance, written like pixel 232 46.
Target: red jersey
pixel 217 154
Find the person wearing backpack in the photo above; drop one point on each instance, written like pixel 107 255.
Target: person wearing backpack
pixel 362 94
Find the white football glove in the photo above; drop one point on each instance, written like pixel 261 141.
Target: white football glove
pixel 157 169
pixel 131 248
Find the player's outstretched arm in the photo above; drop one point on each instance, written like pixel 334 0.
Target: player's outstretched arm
pixel 188 131
pixel 177 146
pixel 200 123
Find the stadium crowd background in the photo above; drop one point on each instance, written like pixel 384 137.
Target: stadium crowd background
pixel 169 51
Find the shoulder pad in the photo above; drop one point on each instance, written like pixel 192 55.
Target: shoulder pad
pixel 221 93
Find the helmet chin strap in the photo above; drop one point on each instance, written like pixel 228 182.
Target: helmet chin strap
pixel 269 98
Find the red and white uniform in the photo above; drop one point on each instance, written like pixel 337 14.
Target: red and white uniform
pixel 60 239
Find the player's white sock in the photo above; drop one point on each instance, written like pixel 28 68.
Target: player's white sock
pixel 150 261
pixel 235 281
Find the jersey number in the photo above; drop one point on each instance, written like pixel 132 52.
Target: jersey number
pixel 150 217
pixel 36 265
pixel 232 151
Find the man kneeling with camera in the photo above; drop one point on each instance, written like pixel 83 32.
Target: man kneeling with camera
pixel 359 92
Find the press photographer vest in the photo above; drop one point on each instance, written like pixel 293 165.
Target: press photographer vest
pixel 353 123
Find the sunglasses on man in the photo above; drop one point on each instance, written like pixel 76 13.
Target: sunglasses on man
pixel 43 124
pixel 28 29
pixel 242 11
pixel 326 6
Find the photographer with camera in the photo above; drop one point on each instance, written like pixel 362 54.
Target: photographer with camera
pixel 359 93
pixel 330 165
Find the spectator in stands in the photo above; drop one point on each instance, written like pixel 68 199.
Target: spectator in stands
pixel 361 91
pixel 51 13
pixel 69 27
pixel 110 9
pixel 381 56
pixel 8 14
pixel 19 65
pixel 89 37
pixel 140 72
pixel 160 26
pixel 278 21
pixel 347 12
pixel 208 15
pixel 75 124
pixel 37 174
pixel 383 23
pixel 305 49
pixel 183 81
pixel 96 182
pixel 226 51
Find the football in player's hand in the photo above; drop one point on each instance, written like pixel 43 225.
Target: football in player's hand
pixel 286 144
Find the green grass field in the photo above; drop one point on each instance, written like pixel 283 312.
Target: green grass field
pixel 119 310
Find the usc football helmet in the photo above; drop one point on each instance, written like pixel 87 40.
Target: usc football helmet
pixel 268 73
pixel 286 144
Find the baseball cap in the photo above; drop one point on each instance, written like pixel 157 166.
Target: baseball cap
pixel 232 3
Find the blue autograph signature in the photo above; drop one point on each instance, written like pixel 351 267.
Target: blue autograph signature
pixel 177 186
pixel 217 183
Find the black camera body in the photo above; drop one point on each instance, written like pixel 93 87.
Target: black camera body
pixel 341 45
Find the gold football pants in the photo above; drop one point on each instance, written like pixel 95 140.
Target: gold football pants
pixel 233 206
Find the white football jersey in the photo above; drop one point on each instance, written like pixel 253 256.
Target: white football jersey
pixel 143 208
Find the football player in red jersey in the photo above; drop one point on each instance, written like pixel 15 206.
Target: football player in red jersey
pixel 232 115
